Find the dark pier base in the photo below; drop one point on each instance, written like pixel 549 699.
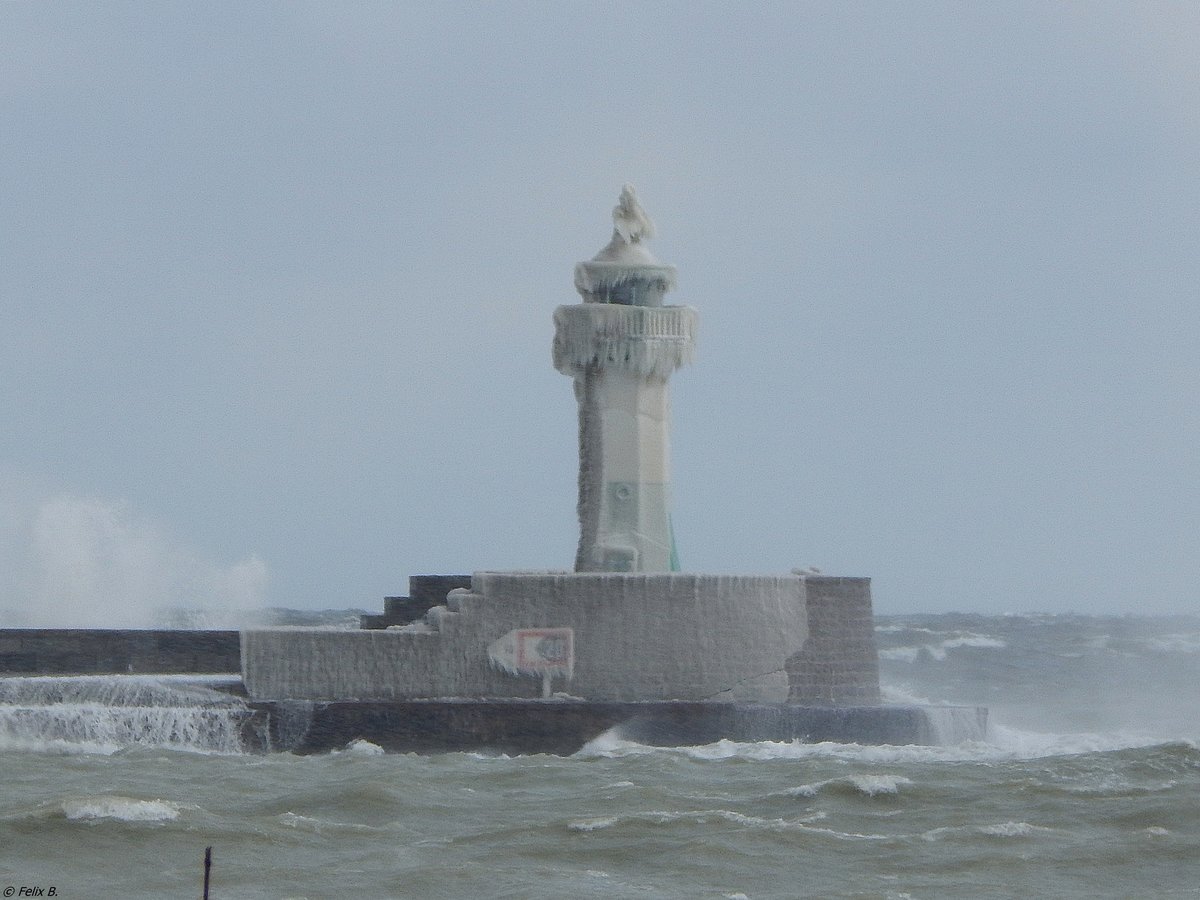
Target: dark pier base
pixel 563 727
pixel 96 651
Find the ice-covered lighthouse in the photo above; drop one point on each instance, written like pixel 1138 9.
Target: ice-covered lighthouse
pixel 621 345
pixel 661 655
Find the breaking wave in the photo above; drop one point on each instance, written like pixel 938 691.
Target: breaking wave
pixel 125 809
pixel 106 713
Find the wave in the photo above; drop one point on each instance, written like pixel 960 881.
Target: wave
pixel 1002 743
pixel 1174 643
pixel 938 651
pixel 125 809
pixel 316 825
pixel 723 816
pixel 997 830
pixel 101 807
pixel 870 785
pixel 103 714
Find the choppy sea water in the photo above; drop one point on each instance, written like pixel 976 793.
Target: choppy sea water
pixel 1087 785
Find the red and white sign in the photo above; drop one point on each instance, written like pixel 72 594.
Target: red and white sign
pixel 536 651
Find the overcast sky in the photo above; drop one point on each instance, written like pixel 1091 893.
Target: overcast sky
pixel 276 285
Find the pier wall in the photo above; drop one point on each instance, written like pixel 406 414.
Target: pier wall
pixel 637 637
pixel 565 726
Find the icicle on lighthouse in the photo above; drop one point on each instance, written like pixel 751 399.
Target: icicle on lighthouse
pixel 621 345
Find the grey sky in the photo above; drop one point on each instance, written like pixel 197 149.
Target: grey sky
pixel 276 283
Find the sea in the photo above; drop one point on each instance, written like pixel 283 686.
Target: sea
pixel 1087 784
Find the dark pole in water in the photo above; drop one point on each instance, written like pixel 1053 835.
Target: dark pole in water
pixel 207 869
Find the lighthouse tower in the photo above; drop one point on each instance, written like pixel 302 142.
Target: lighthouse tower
pixel 621 345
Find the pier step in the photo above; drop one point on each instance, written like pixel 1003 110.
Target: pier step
pixel 463 601
pixel 424 593
pixel 461 605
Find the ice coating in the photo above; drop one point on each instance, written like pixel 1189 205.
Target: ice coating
pixel 630 221
pixel 625 271
pixel 633 642
pixel 621 345
pixel 644 340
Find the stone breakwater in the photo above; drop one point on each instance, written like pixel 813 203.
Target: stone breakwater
pixel 80 651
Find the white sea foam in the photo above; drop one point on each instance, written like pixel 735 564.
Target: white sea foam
pixel 1002 743
pixel 938 650
pixel 975 640
pixel 1014 743
pixel 842 835
pixel 593 824
pixel 126 809
pixel 295 820
pixel 1010 829
pixel 805 790
pixel 608 744
pixel 363 747
pixel 902 696
pixel 867 784
pixel 871 785
pixel 322 826
pixel 936 834
pixel 708 816
pixel 901 654
pixel 1000 830
pixel 1175 643
pixel 738 818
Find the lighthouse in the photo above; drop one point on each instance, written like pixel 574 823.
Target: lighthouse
pixel 621 345
pixel 661 656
